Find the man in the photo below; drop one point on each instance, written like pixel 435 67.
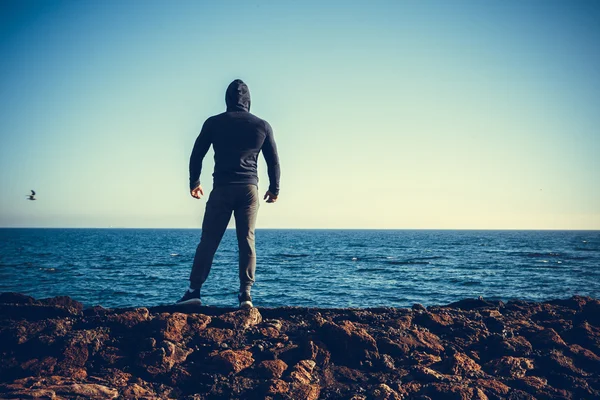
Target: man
pixel 237 136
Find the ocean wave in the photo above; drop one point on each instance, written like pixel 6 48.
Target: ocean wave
pixel 407 262
pixel 292 255
pixel 163 265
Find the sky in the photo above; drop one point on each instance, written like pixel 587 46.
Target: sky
pixel 387 114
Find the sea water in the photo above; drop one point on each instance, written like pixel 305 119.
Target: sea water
pixel 311 268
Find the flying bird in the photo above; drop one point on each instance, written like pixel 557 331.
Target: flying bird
pixel 31 196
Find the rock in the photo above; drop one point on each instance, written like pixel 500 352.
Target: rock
pixel 384 392
pixel 87 390
pixel 51 348
pixel 461 364
pixel 449 391
pixel 240 320
pixel 410 340
pixel 271 369
pixel 198 322
pixel 585 358
pixel 426 374
pixel 233 361
pixel 277 387
pixel 128 319
pixel 547 339
pixel 510 366
pixel 435 321
pixel 135 391
pixel 162 359
pixel 493 388
pixel 171 325
pixel 303 383
pixel 349 343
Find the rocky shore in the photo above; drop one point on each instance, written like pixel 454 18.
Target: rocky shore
pixel 472 349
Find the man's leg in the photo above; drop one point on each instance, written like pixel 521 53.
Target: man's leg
pixel 245 214
pixel 216 217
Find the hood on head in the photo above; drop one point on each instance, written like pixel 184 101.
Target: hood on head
pixel 237 96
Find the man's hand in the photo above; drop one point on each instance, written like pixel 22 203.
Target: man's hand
pixel 197 192
pixel 270 197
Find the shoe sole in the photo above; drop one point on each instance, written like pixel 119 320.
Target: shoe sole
pixel 190 301
pixel 246 304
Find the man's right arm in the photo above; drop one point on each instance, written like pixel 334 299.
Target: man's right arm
pixel 201 147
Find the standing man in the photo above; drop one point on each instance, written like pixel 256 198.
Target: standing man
pixel 237 136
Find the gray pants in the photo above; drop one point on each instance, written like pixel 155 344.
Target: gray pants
pixel 242 200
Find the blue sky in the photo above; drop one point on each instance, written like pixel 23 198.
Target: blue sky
pixel 399 114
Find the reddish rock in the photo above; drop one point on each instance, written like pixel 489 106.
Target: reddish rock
pixel 522 351
pixel 384 392
pixel 233 361
pixel 272 369
pixel 493 388
pixel 450 391
pixel 128 319
pixel 428 375
pixel 171 325
pixel 241 319
pixel 135 391
pixel 413 339
pixel 461 364
pixel 304 384
pixel 277 387
pixel 510 366
pixel 348 342
pixel 547 339
pixel 197 322
pixel 585 358
pixel 162 359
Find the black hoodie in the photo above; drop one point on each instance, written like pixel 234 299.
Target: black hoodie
pixel 237 136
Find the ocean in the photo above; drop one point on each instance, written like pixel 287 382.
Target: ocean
pixel 309 268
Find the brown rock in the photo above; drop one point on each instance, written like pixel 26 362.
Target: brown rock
pixel 556 361
pixel 510 366
pixel 171 325
pixel 436 321
pixel 128 319
pixel 426 374
pixel 240 319
pixel 271 368
pixel 135 391
pixel 461 364
pixel 304 384
pixel 493 387
pixel 384 392
pixel 164 357
pixel 318 353
pixel 277 387
pixel 87 390
pixel 198 322
pixel 413 339
pixel 449 391
pixel 585 358
pixel 424 359
pixel 216 335
pixel 348 342
pixel 233 361
pixel 547 338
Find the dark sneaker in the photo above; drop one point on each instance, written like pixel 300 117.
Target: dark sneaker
pixel 191 297
pixel 245 300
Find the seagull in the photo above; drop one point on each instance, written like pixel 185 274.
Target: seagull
pixel 31 196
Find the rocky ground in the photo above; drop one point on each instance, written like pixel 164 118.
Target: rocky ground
pixel 472 349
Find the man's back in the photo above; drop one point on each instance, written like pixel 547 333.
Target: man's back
pixel 237 137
